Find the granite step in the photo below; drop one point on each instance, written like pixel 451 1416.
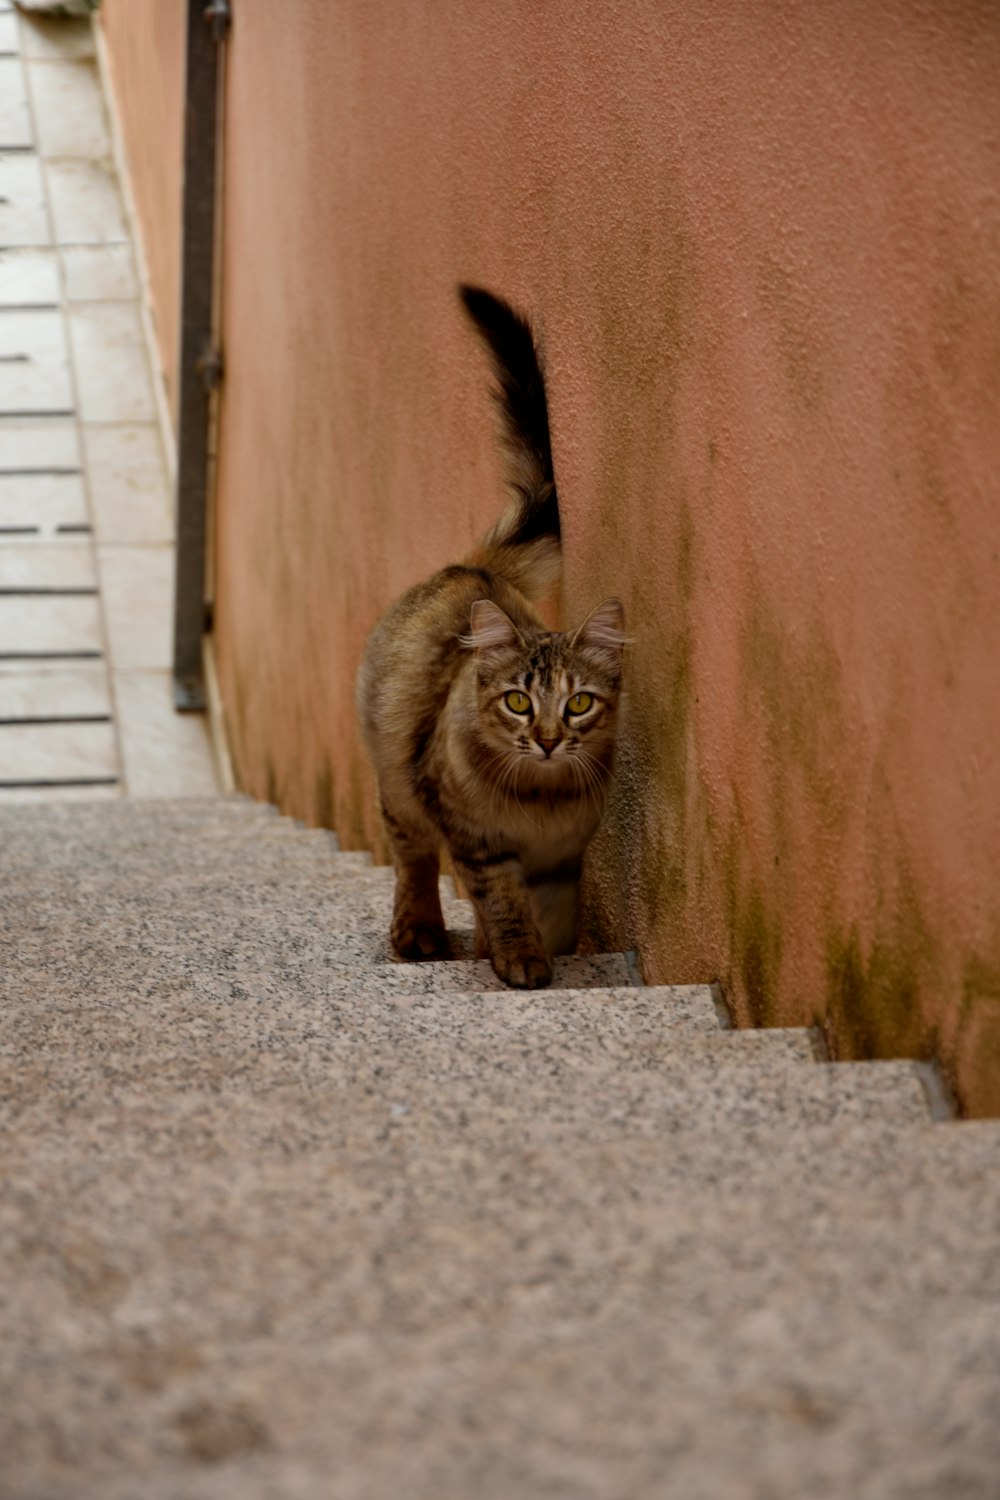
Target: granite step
pixel 541 1322
pixel 571 1043
pixel 324 871
pixel 333 1092
pixel 143 853
pixel 672 1277
pixel 259 949
pixel 177 816
pixel 282 1217
pixel 65 832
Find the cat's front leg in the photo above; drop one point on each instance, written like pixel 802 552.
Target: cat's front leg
pixel 417 931
pixel 504 924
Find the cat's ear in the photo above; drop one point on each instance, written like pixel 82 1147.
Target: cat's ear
pixel 490 629
pixel 603 632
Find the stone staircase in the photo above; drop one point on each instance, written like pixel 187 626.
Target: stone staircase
pixel 283 1220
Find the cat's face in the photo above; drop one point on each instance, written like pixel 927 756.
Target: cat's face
pixel 548 701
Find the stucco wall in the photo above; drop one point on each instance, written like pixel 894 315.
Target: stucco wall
pixel 144 47
pixel 762 243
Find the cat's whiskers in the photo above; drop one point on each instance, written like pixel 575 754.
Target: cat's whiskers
pixel 583 776
pixel 508 784
pixel 592 772
pixel 601 772
pixel 499 768
pixel 503 782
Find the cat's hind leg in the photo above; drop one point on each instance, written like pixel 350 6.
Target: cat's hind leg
pixel 554 900
pixel 417 931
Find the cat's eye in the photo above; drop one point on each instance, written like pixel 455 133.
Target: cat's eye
pixel 579 703
pixel 518 703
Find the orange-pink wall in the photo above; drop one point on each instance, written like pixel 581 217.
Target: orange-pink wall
pixel 144 47
pixel 762 242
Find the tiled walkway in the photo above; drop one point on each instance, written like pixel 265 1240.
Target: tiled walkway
pixel 86 547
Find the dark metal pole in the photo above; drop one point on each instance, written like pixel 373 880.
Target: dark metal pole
pixel 199 366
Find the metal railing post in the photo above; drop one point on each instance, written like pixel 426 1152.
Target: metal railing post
pixel 199 364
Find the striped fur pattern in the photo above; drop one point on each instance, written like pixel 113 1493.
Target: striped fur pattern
pixel 490 733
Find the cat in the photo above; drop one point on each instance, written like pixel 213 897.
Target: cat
pixel 489 732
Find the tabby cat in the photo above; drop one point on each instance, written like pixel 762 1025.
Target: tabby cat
pixel 489 732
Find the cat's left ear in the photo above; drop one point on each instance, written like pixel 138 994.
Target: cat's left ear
pixel 603 632
pixel 490 629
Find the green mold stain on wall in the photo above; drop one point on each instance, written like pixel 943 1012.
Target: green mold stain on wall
pixel 669 724
pixel 873 999
pixel 757 953
pixel 754 927
pixel 792 693
pixel 980 982
pixel 875 988
pixel 800 688
pixel 977 1040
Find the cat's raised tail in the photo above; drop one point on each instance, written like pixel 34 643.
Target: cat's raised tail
pixel 524 546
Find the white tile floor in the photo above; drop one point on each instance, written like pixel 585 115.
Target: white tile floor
pixel 86 536
pixel 60 565
pixel 112 367
pixel 24 215
pixel 68 109
pixel 34 364
pixel 85 203
pixel 47 503
pixel 29 278
pixel 128 485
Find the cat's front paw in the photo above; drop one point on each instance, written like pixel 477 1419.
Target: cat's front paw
pixel 524 969
pixel 417 942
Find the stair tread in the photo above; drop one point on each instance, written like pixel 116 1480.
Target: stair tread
pixel 394 1228
pixel 757 1321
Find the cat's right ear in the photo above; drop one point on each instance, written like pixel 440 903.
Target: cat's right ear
pixel 490 629
pixel 603 632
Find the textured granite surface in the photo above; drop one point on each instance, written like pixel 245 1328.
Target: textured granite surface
pixel 272 1227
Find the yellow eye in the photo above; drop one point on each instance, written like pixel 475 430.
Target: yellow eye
pixel 520 703
pixel 579 703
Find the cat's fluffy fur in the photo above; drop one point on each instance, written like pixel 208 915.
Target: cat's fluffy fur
pixel 488 731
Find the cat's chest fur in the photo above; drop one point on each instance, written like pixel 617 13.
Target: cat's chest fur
pixel 542 830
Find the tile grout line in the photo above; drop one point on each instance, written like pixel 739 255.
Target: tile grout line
pixel 60 269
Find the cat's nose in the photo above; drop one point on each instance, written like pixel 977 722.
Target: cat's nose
pixel 547 745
